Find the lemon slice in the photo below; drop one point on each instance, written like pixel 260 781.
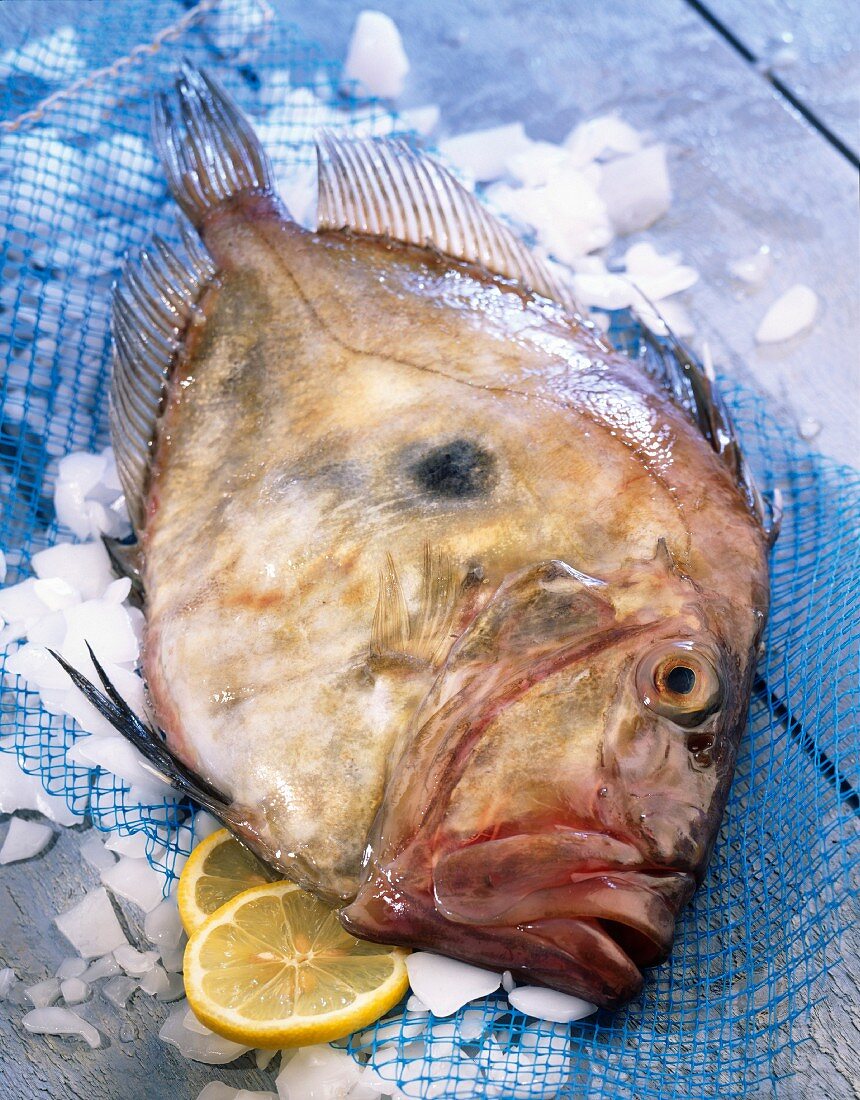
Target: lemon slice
pixel 218 869
pixel 274 968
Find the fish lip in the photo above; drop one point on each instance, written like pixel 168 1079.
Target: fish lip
pixel 564 875
pixel 644 938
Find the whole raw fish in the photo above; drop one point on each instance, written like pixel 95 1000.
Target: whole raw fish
pixel 452 610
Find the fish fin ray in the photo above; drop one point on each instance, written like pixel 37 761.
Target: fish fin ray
pixel 694 389
pixel 111 706
pixel 127 561
pixel 438 604
pixel 383 188
pixel 209 151
pixel 390 631
pixel 153 304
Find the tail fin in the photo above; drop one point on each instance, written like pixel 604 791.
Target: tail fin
pixel 209 152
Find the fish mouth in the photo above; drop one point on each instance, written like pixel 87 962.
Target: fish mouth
pixel 586 928
pixel 530 880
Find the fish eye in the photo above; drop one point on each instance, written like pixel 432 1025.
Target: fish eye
pixel 678 681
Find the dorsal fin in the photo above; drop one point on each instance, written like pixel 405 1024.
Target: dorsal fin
pixel 693 387
pixel 152 305
pixel 382 187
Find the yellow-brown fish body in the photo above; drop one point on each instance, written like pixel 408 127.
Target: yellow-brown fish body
pixel 454 604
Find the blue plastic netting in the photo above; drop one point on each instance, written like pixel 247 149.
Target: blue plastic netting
pixel 79 187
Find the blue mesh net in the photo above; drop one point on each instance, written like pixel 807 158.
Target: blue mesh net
pixel 80 186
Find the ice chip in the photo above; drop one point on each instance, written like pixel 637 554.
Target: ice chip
pixel 599 138
pixel 44 993
pixel 239 29
pixel 199 1046
pixel 636 189
pixel 71 967
pixel 74 991
pixel 754 269
pixel 118 990
pixel 94 852
pixel 375 59
pixel 85 566
pixel 318 1071
pixel 20 791
pixel 91 926
pixel 445 985
pixel 61 1021
pixel 7 980
pixel 162 925
pixel 137 881
pixel 549 1004
pixel 20 602
pixel 484 154
pixel 24 839
pixel 104 967
pixel 791 314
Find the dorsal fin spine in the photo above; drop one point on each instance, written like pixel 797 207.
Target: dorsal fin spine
pixel 383 188
pixel 152 306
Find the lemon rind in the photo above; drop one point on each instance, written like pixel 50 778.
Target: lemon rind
pixel 293 1030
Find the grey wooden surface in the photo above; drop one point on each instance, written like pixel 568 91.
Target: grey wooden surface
pixel 811 48
pixel 746 170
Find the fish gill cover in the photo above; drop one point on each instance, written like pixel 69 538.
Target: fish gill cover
pixel 79 186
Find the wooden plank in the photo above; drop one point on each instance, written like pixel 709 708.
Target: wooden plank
pixel 812 47
pixel 746 169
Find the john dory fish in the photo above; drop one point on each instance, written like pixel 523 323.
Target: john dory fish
pixel 452 609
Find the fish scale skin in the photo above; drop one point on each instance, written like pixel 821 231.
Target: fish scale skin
pixel 322 366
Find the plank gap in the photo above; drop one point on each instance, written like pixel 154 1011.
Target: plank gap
pixel 740 47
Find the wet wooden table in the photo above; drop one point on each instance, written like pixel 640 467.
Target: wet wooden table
pixel 758 103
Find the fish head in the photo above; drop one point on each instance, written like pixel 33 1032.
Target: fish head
pixel 561 786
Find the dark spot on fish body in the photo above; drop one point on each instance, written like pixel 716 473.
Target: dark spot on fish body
pixel 459 470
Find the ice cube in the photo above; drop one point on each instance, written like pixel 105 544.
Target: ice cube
pixel 95 853
pixel 376 59
pixel 791 314
pixel 599 138
pixel 119 989
pixel 44 993
pixel 163 926
pixel 445 985
pixel 91 926
pixel 199 1046
pixel 24 839
pixel 19 791
pixel 636 189
pixel 60 1021
pixel 318 1071
pixel 74 991
pixel 484 154
pixel 549 1004
pixel 85 566
pixel 71 967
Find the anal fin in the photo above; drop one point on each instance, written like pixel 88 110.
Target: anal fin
pixel 111 705
pixel 153 304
